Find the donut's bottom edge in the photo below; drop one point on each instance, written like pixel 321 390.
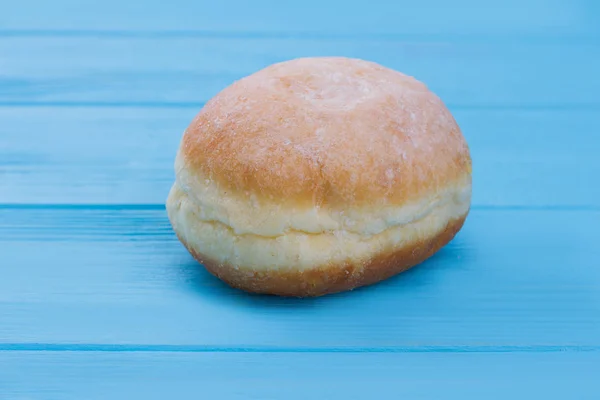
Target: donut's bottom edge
pixel 330 278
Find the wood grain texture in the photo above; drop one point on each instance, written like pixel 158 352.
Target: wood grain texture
pixel 98 300
pixel 94 276
pixel 84 375
pixel 184 71
pixel 76 155
pixel 562 18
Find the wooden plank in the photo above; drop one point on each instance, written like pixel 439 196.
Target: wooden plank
pixel 114 156
pixel 98 276
pixel 156 71
pixel 123 375
pixel 429 17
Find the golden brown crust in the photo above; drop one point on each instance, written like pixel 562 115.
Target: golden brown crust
pixel 327 131
pixel 329 279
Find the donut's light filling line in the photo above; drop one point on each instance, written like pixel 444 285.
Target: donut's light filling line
pixel 230 230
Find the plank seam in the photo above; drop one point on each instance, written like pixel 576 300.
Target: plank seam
pixel 90 347
pixel 432 38
pixel 161 207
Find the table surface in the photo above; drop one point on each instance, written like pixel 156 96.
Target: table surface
pixel 98 300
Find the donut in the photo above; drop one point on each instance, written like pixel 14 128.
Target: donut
pixel 319 175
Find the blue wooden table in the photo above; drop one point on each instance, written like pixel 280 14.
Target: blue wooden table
pixel 98 299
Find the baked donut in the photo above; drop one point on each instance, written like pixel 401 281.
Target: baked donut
pixel 319 175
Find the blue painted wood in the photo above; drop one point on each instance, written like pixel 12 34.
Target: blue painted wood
pixel 168 71
pixel 107 275
pixel 49 155
pixel 559 18
pixel 151 375
pixel 93 99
